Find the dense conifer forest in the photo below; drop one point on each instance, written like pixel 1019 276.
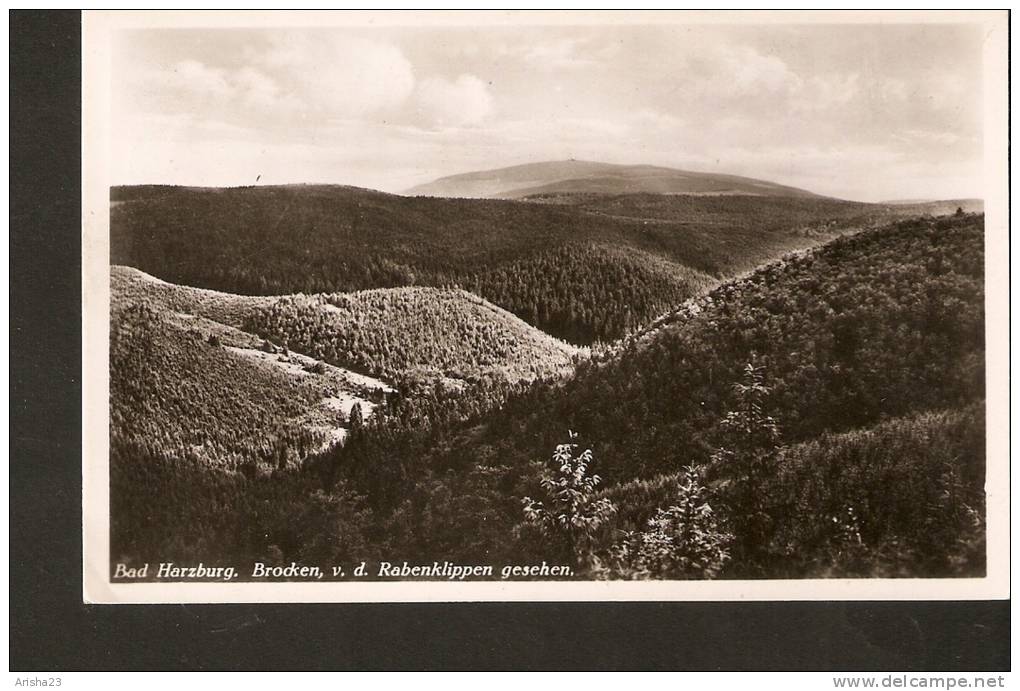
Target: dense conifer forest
pixel 820 416
pixel 585 268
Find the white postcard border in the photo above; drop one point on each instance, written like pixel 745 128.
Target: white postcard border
pixel 96 57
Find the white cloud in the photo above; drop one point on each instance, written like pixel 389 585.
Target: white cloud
pixel 194 88
pixel 893 89
pixel 649 118
pixel 821 93
pixel 454 103
pixel 261 91
pixel 378 107
pixel 187 81
pixel 558 54
pixel 340 75
pixel 946 92
pixel 928 137
pixel 323 75
pixel 194 76
pixel 746 72
pixel 546 54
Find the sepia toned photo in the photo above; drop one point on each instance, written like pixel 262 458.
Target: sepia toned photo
pixel 529 306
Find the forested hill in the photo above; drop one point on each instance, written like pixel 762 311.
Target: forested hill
pixel 867 349
pixel 550 177
pixel 867 354
pixel 582 272
pixel 880 324
pixel 218 399
pixel 394 333
pixel 448 354
pixel 769 213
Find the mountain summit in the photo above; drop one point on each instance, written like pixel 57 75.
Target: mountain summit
pixel 589 177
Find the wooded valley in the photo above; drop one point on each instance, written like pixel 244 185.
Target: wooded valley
pixel 745 387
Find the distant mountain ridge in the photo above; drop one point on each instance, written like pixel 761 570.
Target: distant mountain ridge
pixel 573 176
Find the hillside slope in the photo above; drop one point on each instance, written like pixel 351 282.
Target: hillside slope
pixel 424 331
pixel 871 358
pixel 883 323
pixel 571 269
pixel 190 387
pixel 865 333
pixel 391 333
pixel 442 354
pixel 572 176
pixel 899 499
pixel 212 426
pixel 208 435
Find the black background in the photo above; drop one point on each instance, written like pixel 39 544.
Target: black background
pixel 51 629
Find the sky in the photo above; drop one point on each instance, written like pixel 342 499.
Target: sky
pixel 867 112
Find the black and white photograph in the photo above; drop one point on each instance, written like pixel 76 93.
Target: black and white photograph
pixel 530 306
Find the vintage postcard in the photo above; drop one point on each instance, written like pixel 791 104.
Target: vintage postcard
pixel 452 306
